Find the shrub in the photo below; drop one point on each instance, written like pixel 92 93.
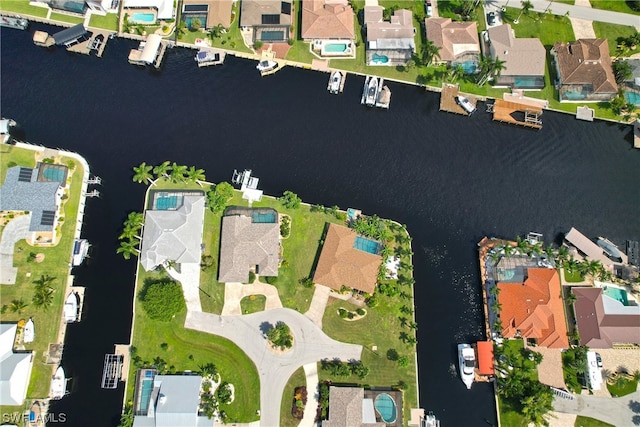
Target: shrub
pixel 280 335
pixel 223 393
pixel 11 164
pixel 361 311
pixel 403 361
pixel 252 277
pixel 372 301
pixel 350 315
pixel 257 44
pixel 307 282
pixel 290 200
pixel 392 355
pixel 206 262
pixel 343 313
pixel 162 300
pixel 272 280
pixel 218 196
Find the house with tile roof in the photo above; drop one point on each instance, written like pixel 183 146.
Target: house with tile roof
pixel 388 42
pixel 349 408
pixel 165 8
pixel 174 235
pixel 584 71
pixel 533 309
pixel 342 262
pixel 458 42
pixel 327 20
pixel 211 13
pixel 604 321
pixel 250 241
pixel 269 20
pixel 15 367
pixel 524 58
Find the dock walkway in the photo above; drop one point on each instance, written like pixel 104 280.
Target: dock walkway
pixel 448 101
pixel 503 112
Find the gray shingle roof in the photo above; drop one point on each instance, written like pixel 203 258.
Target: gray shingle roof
pixel 34 196
pixel 173 235
pixel 245 244
pixel 522 56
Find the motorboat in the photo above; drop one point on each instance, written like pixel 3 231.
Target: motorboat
pixel 467 363
pixel 430 420
pixel 207 57
pixel 71 308
pixel 266 65
pixel 80 251
pixel 466 104
pixel 11 22
pixel 29 332
pixel 609 249
pixel 58 384
pixel 372 92
pixel 334 83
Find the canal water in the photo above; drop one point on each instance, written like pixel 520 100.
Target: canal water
pixel 451 179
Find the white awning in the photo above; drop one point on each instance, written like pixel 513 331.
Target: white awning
pixel 151 47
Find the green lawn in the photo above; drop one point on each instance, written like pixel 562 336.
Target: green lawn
pixel 253 304
pixel 188 349
pixel 573 277
pixel 622 389
pixel 614 35
pixel 590 422
pixel 231 40
pixel 297 379
pixel 108 22
pixel 548 28
pixel 509 416
pixel 65 18
pixel 613 5
pixel 55 264
pixel 23 7
pixel 299 52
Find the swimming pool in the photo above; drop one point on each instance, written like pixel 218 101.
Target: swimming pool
pixel 366 245
pixel 143 18
pixel 386 407
pixel 379 59
pixel 574 95
pixel 53 174
pixel 469 67
pixel 525 82
pixel 617 294
pixel 268 36
pixel 632 97
pixel 335 47
pixel 145 394
pixel 263 217
pixel 165 202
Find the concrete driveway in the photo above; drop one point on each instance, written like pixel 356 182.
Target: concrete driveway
pixel 235 292
pixel 618 411
pixel 189 277
pixel 17 229
pixel 274 370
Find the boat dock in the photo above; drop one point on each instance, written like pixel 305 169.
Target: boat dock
pixel 112 371
pixel 221 55
pixel 448 101
pixel 503 111
pixel 342 80
pixel 150 51
pixel 96 43
pixel 383 93
pixel 585 113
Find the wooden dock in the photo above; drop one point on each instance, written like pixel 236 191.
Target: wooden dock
pixel 384 96
pixel 528 115
pixel 222 54
pixel 97 42
pixel 448 101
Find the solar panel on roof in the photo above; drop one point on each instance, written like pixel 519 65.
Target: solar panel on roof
pixel 196 7
pixel 47 217
pixel 25 175
pixel 285 8
pixel 270 19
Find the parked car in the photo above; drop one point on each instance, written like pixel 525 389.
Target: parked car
pixel 491 19
pixel 599 360
pixel 429 11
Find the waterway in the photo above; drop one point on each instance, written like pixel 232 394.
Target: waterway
pixel 451 179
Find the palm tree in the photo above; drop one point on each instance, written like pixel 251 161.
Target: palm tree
pixel 562 253
pixel 44 281
pixel 571 298
pixel 216 31
pixel 127 249
pixel 429 52
pixel 526 7
pixel 571 265
pixel 162 170
pixel 17 305
pixel 43 298
pixel 135 219
pixel 195 175
pixel 142 173
pixel 178 172
pixel 129 232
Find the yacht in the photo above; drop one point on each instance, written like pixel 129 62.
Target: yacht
pixel 266 65
pixel 371 92
pixel 430 420
pixel 466 104
pixel 71 308
pixel 334 82
pixel 29 332
pixel 609 249
pixel 467 363
pixel 208 57
pixel 80 251
pixel 11 22
pixel 58 384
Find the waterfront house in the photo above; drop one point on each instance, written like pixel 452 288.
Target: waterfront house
pixel 524 58
pixel 588 249
pixel 210 13
pixel 173 230
pixel 388 42
pixel 584 71
pixel 169 400
pixel 38 191
pixel 250 241
pixel 329 26
pixel 533 309
pixel 606 317
pixel 270 20
pixel 15 367
pixel 163 9
pixel 458 42
pixel 348 260
pixel 349 408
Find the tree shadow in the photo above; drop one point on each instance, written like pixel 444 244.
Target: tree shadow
pixel 634 405
pixel 265 327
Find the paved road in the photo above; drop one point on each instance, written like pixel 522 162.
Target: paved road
pixel 274 370
pixel 17 229
pixel 580 12
pixel 618 411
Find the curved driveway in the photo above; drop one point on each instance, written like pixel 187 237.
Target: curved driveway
pixel 17 229
pixel 274 370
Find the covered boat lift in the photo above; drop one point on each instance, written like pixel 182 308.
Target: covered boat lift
pixel 70 36
pixel 149 52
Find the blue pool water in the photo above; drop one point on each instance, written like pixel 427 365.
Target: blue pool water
pixel 469 67
pixel 618 295
pixel 386 407
pixel 268 217
pixel 632 97
pixel 525 82
pixel 335 47
pixel 272 36
pixel 145 394
pixel 166 202
pixel 379 59
pixel 574 95
pixel 188 20
pixel 53 174
pixel 145 18
pixel 366 245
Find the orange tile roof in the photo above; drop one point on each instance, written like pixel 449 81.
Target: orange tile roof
pixel 534 308
pixel 324 19
pixel 341 264
pixel 485 358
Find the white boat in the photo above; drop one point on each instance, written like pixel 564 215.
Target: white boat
pixel 609 249
pixel 334 84
pixel 372 92
pixel 430 420
pixel 29 332
pixel 11 22
pixel 466 104
pixel 266 65
pixel 71 308
pixel 80 250
pixel 208 57
pixel 58 385
pixel 467 364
